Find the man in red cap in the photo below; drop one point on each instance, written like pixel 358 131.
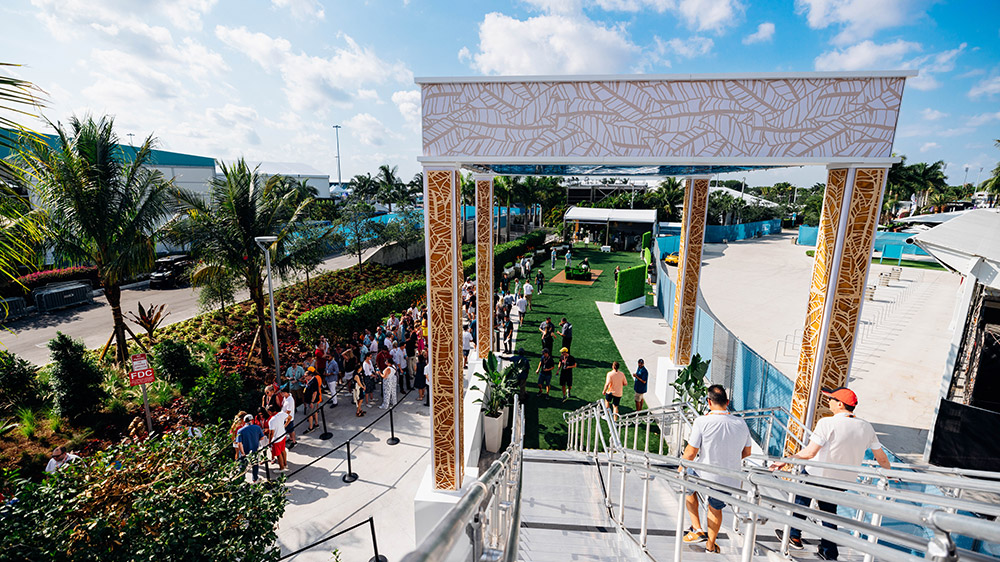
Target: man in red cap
pixel 837 439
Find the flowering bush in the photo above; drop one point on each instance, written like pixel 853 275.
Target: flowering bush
pixel 41 278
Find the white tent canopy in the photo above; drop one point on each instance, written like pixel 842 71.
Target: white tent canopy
pixel 969 244
pixel 603 216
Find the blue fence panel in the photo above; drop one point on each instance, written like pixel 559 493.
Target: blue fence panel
pixel 884 238
pixel 704 334
pixel 668 245
pixel 715 234
pixel 807 235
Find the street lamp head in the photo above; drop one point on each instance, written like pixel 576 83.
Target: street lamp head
pixel 265 239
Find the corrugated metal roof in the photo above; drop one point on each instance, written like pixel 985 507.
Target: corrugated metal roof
pixel 589 214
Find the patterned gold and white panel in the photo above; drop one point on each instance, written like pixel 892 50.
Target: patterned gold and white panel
pixel 693 219
pixel 805 117
pixel 859 235
pixel 826 242
pixel 484 263
pixel 443 304
pixel 837 293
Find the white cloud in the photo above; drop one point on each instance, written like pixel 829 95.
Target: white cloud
pixel 310 82
pixel 986 87
pixel 368 95
pixel 764 33
pixel 866 55
pixel 710 15
pixel 238 121
pixel 928 146
pixel 933 114
pixel 408 103
pixel 551 44
pixel 302 9
pixel 186 14
pixel 930 65
pixel 684 48
pixel 700 15
pixel 859 19
pixel 983 118
pixel 368 130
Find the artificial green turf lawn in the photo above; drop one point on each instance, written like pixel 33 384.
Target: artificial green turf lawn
pixel 593 347
pixel 902 263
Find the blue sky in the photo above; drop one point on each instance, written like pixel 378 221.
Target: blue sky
pixel 267 79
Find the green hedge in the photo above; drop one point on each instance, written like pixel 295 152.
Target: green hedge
pixel 647 240
pixel 365 311
pixel 372 307
pixel 509 251
pixel 631 284
pixel 647 256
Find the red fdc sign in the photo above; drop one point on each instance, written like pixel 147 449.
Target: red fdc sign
pixel 142 371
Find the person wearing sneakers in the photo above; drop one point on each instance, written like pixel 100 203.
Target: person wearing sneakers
pixel 837 439
pixel 720 439
pixel 566 365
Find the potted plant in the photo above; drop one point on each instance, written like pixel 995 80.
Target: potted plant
pixel 690 383
pixel 496 392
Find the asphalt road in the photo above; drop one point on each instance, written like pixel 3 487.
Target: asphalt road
pixel 28 336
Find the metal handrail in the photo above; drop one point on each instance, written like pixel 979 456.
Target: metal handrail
pixel 771 493
pixel 488 512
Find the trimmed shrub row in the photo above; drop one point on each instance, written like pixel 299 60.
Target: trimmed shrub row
pixel 365 310
pixel 631 284
pixel 647 240
pixel 509 251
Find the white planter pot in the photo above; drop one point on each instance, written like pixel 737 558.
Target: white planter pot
pixel 629 306
pixel 493 432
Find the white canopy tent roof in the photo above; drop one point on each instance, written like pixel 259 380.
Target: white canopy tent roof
pixel 933 218
pixel 969 245
pixel 604 216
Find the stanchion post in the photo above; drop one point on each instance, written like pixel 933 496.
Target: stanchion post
pixel 326 433
pixel 392 440
pixel 378 557
pixel 350 476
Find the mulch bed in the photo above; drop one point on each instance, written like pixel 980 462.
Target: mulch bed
pixel 561 278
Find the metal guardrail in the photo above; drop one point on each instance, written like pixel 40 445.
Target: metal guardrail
pixel 765 495
pixel 488 513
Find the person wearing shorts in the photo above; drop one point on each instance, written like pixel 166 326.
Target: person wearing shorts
pixel 720 439
pixel 277 433
pixel 544 371
pixel 614 385
pixel 641 378
pixel 566 365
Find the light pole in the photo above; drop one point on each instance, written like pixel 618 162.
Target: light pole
pixel 339 179
pixel 743 187
pixel 261 241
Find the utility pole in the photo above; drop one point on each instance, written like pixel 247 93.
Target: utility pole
pixel 340 181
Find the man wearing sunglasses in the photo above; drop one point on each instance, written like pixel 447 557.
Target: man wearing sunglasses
pixel 837 439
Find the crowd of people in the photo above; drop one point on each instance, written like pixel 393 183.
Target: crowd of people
pixel 384 363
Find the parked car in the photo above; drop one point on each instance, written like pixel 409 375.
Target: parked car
pixel 170 271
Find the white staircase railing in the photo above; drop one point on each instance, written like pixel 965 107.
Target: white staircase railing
pixel 937 504
pixel 487 515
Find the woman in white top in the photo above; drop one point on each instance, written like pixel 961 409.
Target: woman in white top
pixel 388 386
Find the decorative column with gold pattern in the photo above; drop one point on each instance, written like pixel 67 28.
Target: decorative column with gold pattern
pixel 851 205
pixel 484 263
pixel 442 190
pixel 693 217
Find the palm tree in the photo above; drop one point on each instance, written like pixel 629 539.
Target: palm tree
pixel 506 188
pixel 670 193
pixel 19 231
pixel 939 201
pixel 364 186
pixel 927 179
pixel 242 205
pixel 100 207
pixel 388 184
pixel 468 198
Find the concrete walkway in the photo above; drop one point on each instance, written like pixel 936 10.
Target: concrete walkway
pixel 758 289
pixel 320 503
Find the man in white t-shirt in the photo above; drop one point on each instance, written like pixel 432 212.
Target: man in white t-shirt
pixel 522 308
pixel 288 407
pixel 837 439
pixel 529 291
pixel 276 432
pixel 466 345
pixel 59 458
pixel 720 439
